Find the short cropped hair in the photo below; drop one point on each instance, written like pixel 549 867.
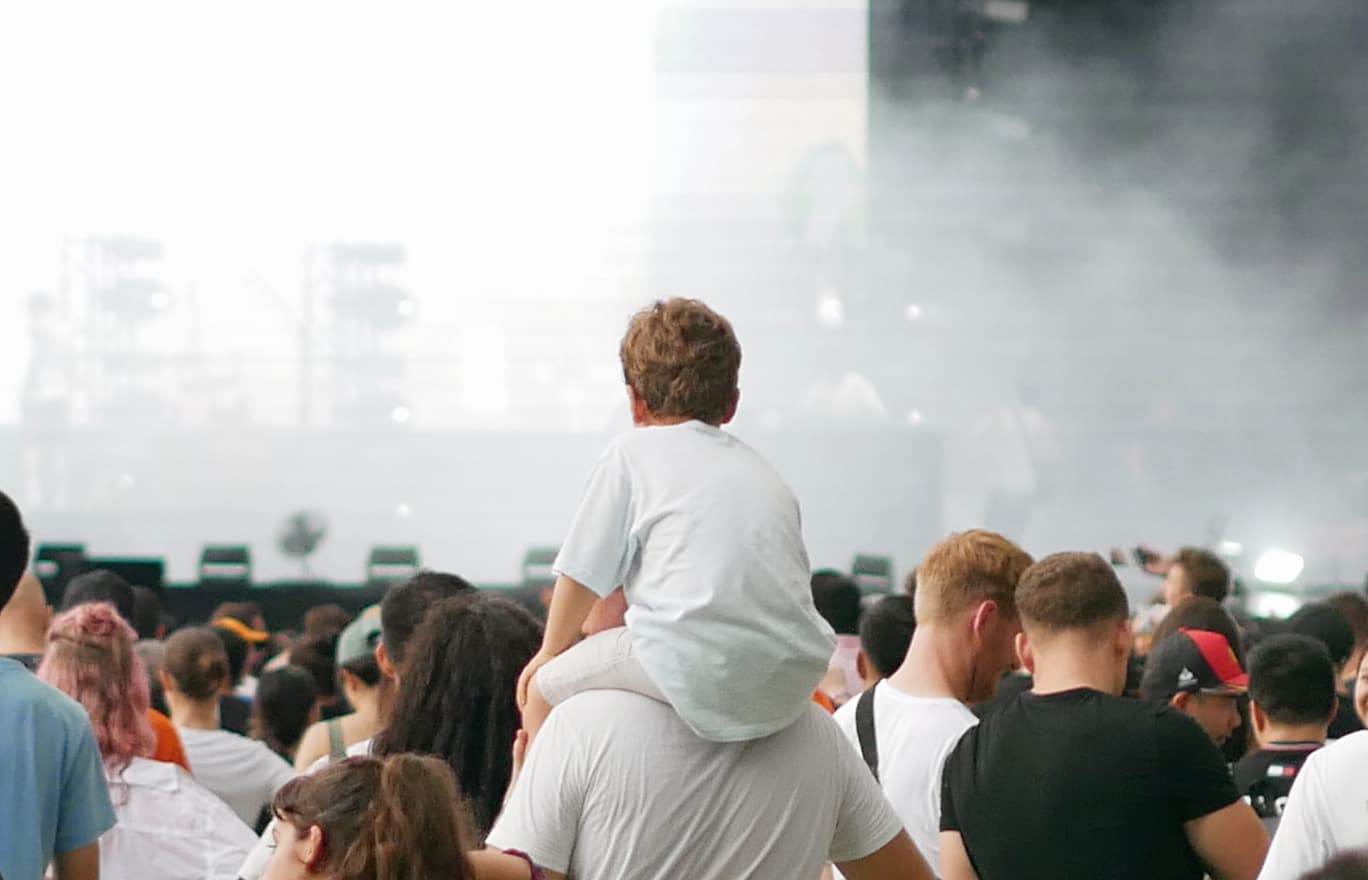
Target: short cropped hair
pixel 682 359
pixel 14 548
pixel 1207 574
pixel 101 585
pixel 1202 613
pixel 1071 591
pixel 968 568
pixel 147 612
pixel 1292 679
pixel 837 598
pixel 886 632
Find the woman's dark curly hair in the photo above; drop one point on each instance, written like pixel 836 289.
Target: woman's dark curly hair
pixel 457 696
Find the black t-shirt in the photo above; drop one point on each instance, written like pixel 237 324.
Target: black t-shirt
pixel 1265 777
pixel 1082 784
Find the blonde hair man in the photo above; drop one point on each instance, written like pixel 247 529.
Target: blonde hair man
pixel 963 644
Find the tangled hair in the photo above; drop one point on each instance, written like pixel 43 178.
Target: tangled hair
pixel 1207 574
pixel 968 568
pixel 396 819
pixel 406 604
pixel 682 359
pixel 456 696
pixel 283 708
pixel 90 658
pixel 1070 592
pixel 196 662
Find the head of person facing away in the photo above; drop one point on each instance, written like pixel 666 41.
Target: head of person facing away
pixel 194 670
pixel 1354 607
pixel 838 600
pixel 90 658
pixel 886 629
pixel 1075 624
pixel 681 361
pixel 1196 671
pixel 1291 689
pixel 1203 613
pixel 1327 625
pixel 101 585
pixel 399 818
pixel 456 695
pixel 966 611
pixel 403 608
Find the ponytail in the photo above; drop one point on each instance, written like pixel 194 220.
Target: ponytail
pixel 397 819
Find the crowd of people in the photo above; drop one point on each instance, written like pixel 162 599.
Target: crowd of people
pixel 694 702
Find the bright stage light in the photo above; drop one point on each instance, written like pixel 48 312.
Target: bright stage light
pixel 1279 567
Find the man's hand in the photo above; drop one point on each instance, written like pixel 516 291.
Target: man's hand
pixel 540 659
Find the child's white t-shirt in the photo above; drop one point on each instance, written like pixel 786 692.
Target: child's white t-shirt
pixel 707 539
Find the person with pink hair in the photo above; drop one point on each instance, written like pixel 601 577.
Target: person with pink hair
pixel 169 826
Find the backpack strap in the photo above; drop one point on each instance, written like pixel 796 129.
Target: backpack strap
pixel 337 746
pixel 864 729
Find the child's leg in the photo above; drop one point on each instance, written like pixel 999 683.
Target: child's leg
pixel 601 662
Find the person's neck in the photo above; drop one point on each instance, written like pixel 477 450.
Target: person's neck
pixel 1071 661
pixel 20 640
pixel 654 421
pixel 1293 733
pixel 193 714
pixel 936 665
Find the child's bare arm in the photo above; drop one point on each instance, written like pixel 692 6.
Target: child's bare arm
pixel 571 603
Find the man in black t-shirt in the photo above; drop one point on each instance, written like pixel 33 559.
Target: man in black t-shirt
pixel 1072 780
pixel 1292 699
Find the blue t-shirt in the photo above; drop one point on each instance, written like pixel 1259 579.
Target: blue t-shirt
pixel 53 795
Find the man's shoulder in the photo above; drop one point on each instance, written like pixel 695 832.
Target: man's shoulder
pixel 23 694
pixel 1345 758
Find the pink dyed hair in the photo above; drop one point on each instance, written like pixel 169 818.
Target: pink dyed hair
pixel 90 658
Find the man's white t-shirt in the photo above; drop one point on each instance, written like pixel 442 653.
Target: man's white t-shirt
pixel 616 786
pixel 914 735
pixel 708 542
pixel 241 771
pixel 1326 812
pixel 170 827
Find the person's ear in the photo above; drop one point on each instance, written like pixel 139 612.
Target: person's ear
pixel 862 667
pixel 310 847
pixel 1125 639
pixel 1181 701
pixel 731 409
pixel 167 683
pixel 983 616
pixel 1334 711
pixel 382 659
pixel 1258 719
pixel 641 414
pixel 1024 652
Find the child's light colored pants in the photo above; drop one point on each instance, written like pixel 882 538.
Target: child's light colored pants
pixel 601 662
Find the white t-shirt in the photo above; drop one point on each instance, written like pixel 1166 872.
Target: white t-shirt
pixel 616 786
pixel 1326 811
pixel 915 735
pixel 708 542
pixel 254 865
pixel 170 828
pixel 241 771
